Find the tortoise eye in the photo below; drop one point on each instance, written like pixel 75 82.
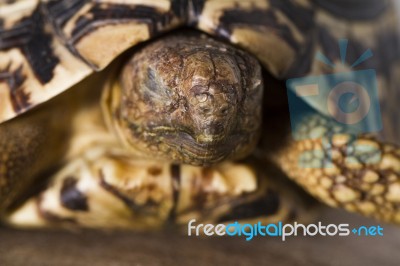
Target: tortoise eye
pixel 201 98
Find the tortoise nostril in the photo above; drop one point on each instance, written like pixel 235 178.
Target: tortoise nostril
pixel 224 110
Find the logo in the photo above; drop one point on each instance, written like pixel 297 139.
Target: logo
pixel 280 230
pixel 349 99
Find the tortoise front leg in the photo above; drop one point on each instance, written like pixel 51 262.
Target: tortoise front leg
pixel 107 188
pixel 360 174
pixel 25 152
pixel 36 143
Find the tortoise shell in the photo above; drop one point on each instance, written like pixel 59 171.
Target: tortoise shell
pixel 48 46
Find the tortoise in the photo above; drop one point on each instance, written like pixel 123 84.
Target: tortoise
pixel 141 114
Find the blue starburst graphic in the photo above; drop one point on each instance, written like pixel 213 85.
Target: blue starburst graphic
pixel 348 97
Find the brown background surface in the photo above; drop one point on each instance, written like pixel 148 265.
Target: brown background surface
pixel 123 248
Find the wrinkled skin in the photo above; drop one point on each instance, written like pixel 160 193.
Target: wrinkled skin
pixel 189 99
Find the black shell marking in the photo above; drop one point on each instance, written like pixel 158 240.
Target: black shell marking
pixel 115 12
pixel 100 14
pixel 35 42
pixel 197 9
pixel 253 18
pixel 14 80
pixel 354 9
pixel 180 8
pixel 71 198
pixel 60 12
pixel 302 17
pixel 131 204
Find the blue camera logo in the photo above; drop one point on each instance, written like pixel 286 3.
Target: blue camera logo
pixel 350 99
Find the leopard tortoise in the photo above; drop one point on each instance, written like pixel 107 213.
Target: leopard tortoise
pixel 187 116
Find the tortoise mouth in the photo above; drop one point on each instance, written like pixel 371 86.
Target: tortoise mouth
pixel 180 146
pixel 207 150
pixel 210 136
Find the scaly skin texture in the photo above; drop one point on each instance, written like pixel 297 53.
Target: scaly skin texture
pixel 37 143
pixel 188 100
pixel 358 173
pixel 25 152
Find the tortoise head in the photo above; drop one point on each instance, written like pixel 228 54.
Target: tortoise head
pixel 211 86
pixel 189 100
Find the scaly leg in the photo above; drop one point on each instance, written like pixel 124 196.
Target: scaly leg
pixel 360 174
pixel 107 188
